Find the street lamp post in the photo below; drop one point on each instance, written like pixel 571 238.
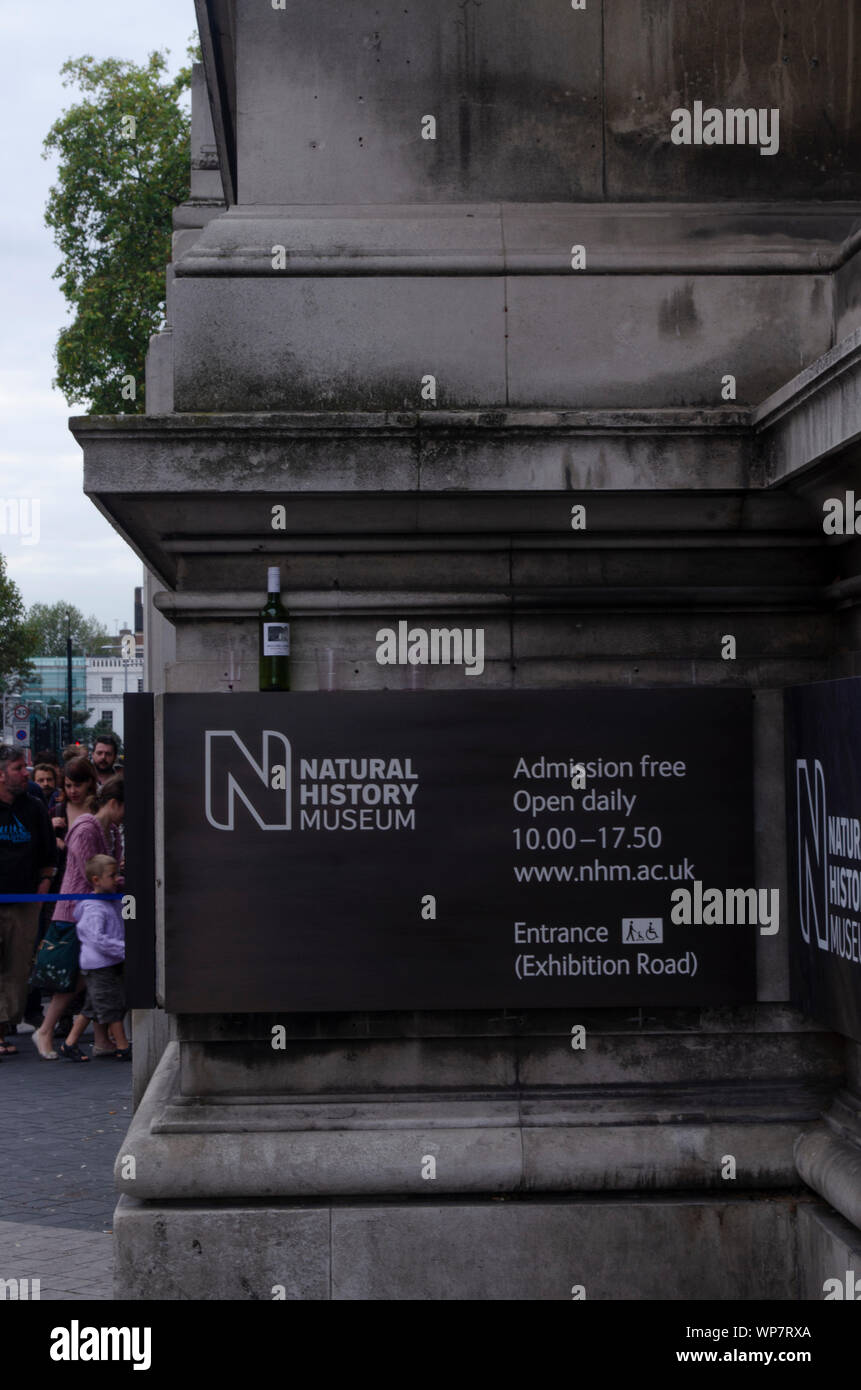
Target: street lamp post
pixel 69 704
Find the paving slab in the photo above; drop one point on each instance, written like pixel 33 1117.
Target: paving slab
pixel 61 1126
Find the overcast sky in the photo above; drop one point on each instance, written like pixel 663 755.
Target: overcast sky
pixel 78 556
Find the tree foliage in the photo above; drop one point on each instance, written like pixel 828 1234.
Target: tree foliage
pixel 81 731
pixel 17 643
pixel 47 624
pixel 124 164
pixel 96 731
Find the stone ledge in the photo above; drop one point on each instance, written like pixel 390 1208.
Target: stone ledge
pixel 734 1066
pixel 812 419
pixel 307 603
pixel 192 1151
pixel 569 1108
pixel 844 357
pixel 694 420
pixel 669 1024
pixel 526 239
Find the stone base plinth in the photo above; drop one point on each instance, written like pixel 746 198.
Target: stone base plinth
pixel 828 1248
pixel 673 1248
pixel 570 1174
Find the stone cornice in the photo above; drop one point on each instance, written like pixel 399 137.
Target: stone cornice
pixel 813 417
pixel 187 606
pixel 527 239
pixel 843 358
pixel 397 424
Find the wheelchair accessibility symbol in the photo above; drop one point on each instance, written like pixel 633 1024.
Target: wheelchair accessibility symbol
pixel 639 931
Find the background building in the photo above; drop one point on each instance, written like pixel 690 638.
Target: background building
pixel 45 694
pixel 109 678
pixel 48 685
pixel 98 686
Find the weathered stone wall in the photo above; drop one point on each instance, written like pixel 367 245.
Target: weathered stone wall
pixel 541 102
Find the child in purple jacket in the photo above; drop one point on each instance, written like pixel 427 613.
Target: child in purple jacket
pixel 100 930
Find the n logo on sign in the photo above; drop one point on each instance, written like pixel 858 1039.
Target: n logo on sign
pixel 233 772
pixel 812 851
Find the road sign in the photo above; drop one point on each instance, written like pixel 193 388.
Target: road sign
pixel 21 724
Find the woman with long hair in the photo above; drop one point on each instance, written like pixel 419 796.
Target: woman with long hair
pixel 80 785
pixel 90 834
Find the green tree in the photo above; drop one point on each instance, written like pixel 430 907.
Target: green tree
pixel 17 644
pixel 48 625
pixel 95 731
pixel 124 164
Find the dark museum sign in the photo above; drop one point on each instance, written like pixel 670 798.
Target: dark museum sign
pixel 453 850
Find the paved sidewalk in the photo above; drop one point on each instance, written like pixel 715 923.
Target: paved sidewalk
pixel 61 1126
pixel 70 1264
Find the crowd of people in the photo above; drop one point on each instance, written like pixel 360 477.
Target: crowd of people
pixel 61 963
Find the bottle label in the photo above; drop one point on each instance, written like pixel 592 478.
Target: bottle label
pixel 276 639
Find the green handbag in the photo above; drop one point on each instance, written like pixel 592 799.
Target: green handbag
pixel 56 965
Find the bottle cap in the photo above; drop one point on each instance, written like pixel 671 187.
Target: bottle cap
pixel 274 583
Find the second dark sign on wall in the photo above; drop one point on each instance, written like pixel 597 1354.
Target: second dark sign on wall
pixel 823 778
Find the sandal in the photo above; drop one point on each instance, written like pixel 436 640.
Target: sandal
pixel 101 1052
pixel 124 1053
pixel 73 1053
pixel 46 1056
pixel 8 1049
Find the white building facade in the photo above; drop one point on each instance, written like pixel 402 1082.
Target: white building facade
pixel 108 679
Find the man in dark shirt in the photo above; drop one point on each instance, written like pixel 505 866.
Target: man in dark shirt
pixel 28 855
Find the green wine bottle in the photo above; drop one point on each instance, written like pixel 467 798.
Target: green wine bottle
pixel 274 637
